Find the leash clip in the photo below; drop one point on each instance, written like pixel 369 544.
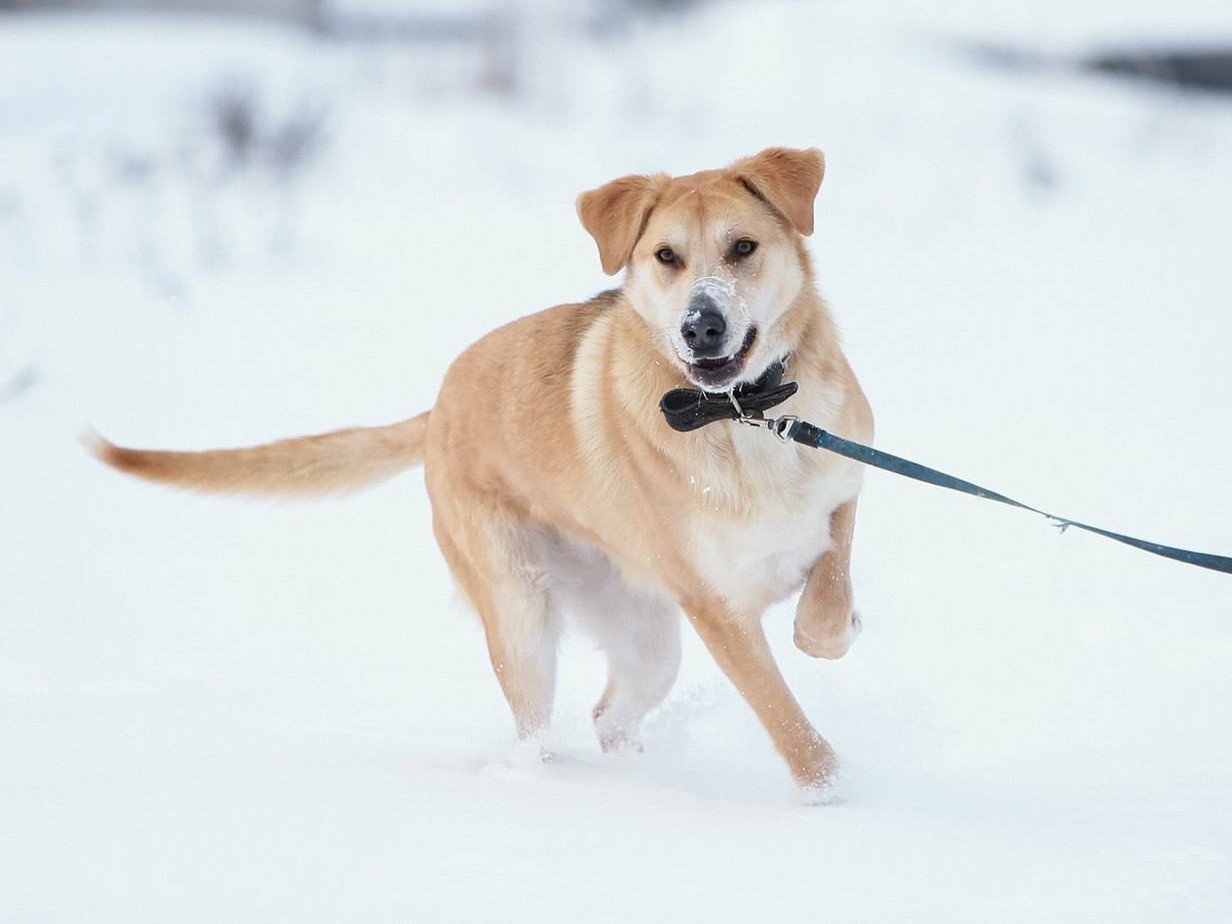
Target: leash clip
pixel 749 419
pixel 742 415
pixel 781 427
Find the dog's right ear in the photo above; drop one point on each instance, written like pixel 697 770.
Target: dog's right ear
pixel 786 179
pixel 616 213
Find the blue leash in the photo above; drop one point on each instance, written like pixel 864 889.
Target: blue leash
pixel 689 408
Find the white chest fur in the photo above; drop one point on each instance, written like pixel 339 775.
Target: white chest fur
pixel 764 518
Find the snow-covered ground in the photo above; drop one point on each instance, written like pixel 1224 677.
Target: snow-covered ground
pixel 225 711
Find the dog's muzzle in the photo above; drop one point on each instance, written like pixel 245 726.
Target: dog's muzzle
pixel 709 332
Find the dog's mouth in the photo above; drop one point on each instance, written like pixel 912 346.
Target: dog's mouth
pixel 719 373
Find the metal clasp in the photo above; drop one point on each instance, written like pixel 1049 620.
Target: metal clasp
pixel 756 419
pixel 781 427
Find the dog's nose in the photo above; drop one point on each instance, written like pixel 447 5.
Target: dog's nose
pixel 704 329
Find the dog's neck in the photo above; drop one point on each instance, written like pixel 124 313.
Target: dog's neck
pixel 723 466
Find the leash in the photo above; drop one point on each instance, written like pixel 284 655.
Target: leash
pixel 690 408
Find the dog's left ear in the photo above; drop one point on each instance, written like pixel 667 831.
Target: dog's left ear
pixel 787 179
pixel 615 215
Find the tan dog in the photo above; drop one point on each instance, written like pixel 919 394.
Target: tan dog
pixel 556 485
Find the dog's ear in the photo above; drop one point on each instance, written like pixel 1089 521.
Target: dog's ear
pixel 787 179
pixel 615 214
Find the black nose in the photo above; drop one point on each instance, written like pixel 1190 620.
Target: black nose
pixel 704 329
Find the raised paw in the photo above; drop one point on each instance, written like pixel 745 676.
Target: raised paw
pixel 827 641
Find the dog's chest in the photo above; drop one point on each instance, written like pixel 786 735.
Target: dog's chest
pixel 780 529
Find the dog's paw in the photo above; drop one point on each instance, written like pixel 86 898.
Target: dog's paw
pixel 616 739
pixel 826 791
pixel 620 742
pixel 822 786
pixel 834 645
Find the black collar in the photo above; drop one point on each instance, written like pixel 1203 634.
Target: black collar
pixel 689 408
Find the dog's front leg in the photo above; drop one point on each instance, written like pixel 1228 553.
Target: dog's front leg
pixel 739 646
pixel 826 623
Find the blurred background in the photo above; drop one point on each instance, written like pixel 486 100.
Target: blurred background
pixel 224 222
pixel 177 156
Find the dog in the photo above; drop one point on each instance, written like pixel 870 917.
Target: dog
pixel 557 487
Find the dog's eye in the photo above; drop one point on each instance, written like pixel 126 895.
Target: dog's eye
pixel 742 248
pixel 666 256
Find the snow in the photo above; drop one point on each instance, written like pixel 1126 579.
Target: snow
pixel 215 710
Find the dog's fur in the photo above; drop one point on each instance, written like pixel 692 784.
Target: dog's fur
pixel 557 486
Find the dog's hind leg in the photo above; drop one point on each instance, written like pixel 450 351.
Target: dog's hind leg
pixel 493 562
pixel 640 634
pixel 637 628
pixel 642 665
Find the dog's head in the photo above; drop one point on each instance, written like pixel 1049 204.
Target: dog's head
pixel 714 260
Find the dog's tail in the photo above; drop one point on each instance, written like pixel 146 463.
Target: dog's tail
pixel 331 463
